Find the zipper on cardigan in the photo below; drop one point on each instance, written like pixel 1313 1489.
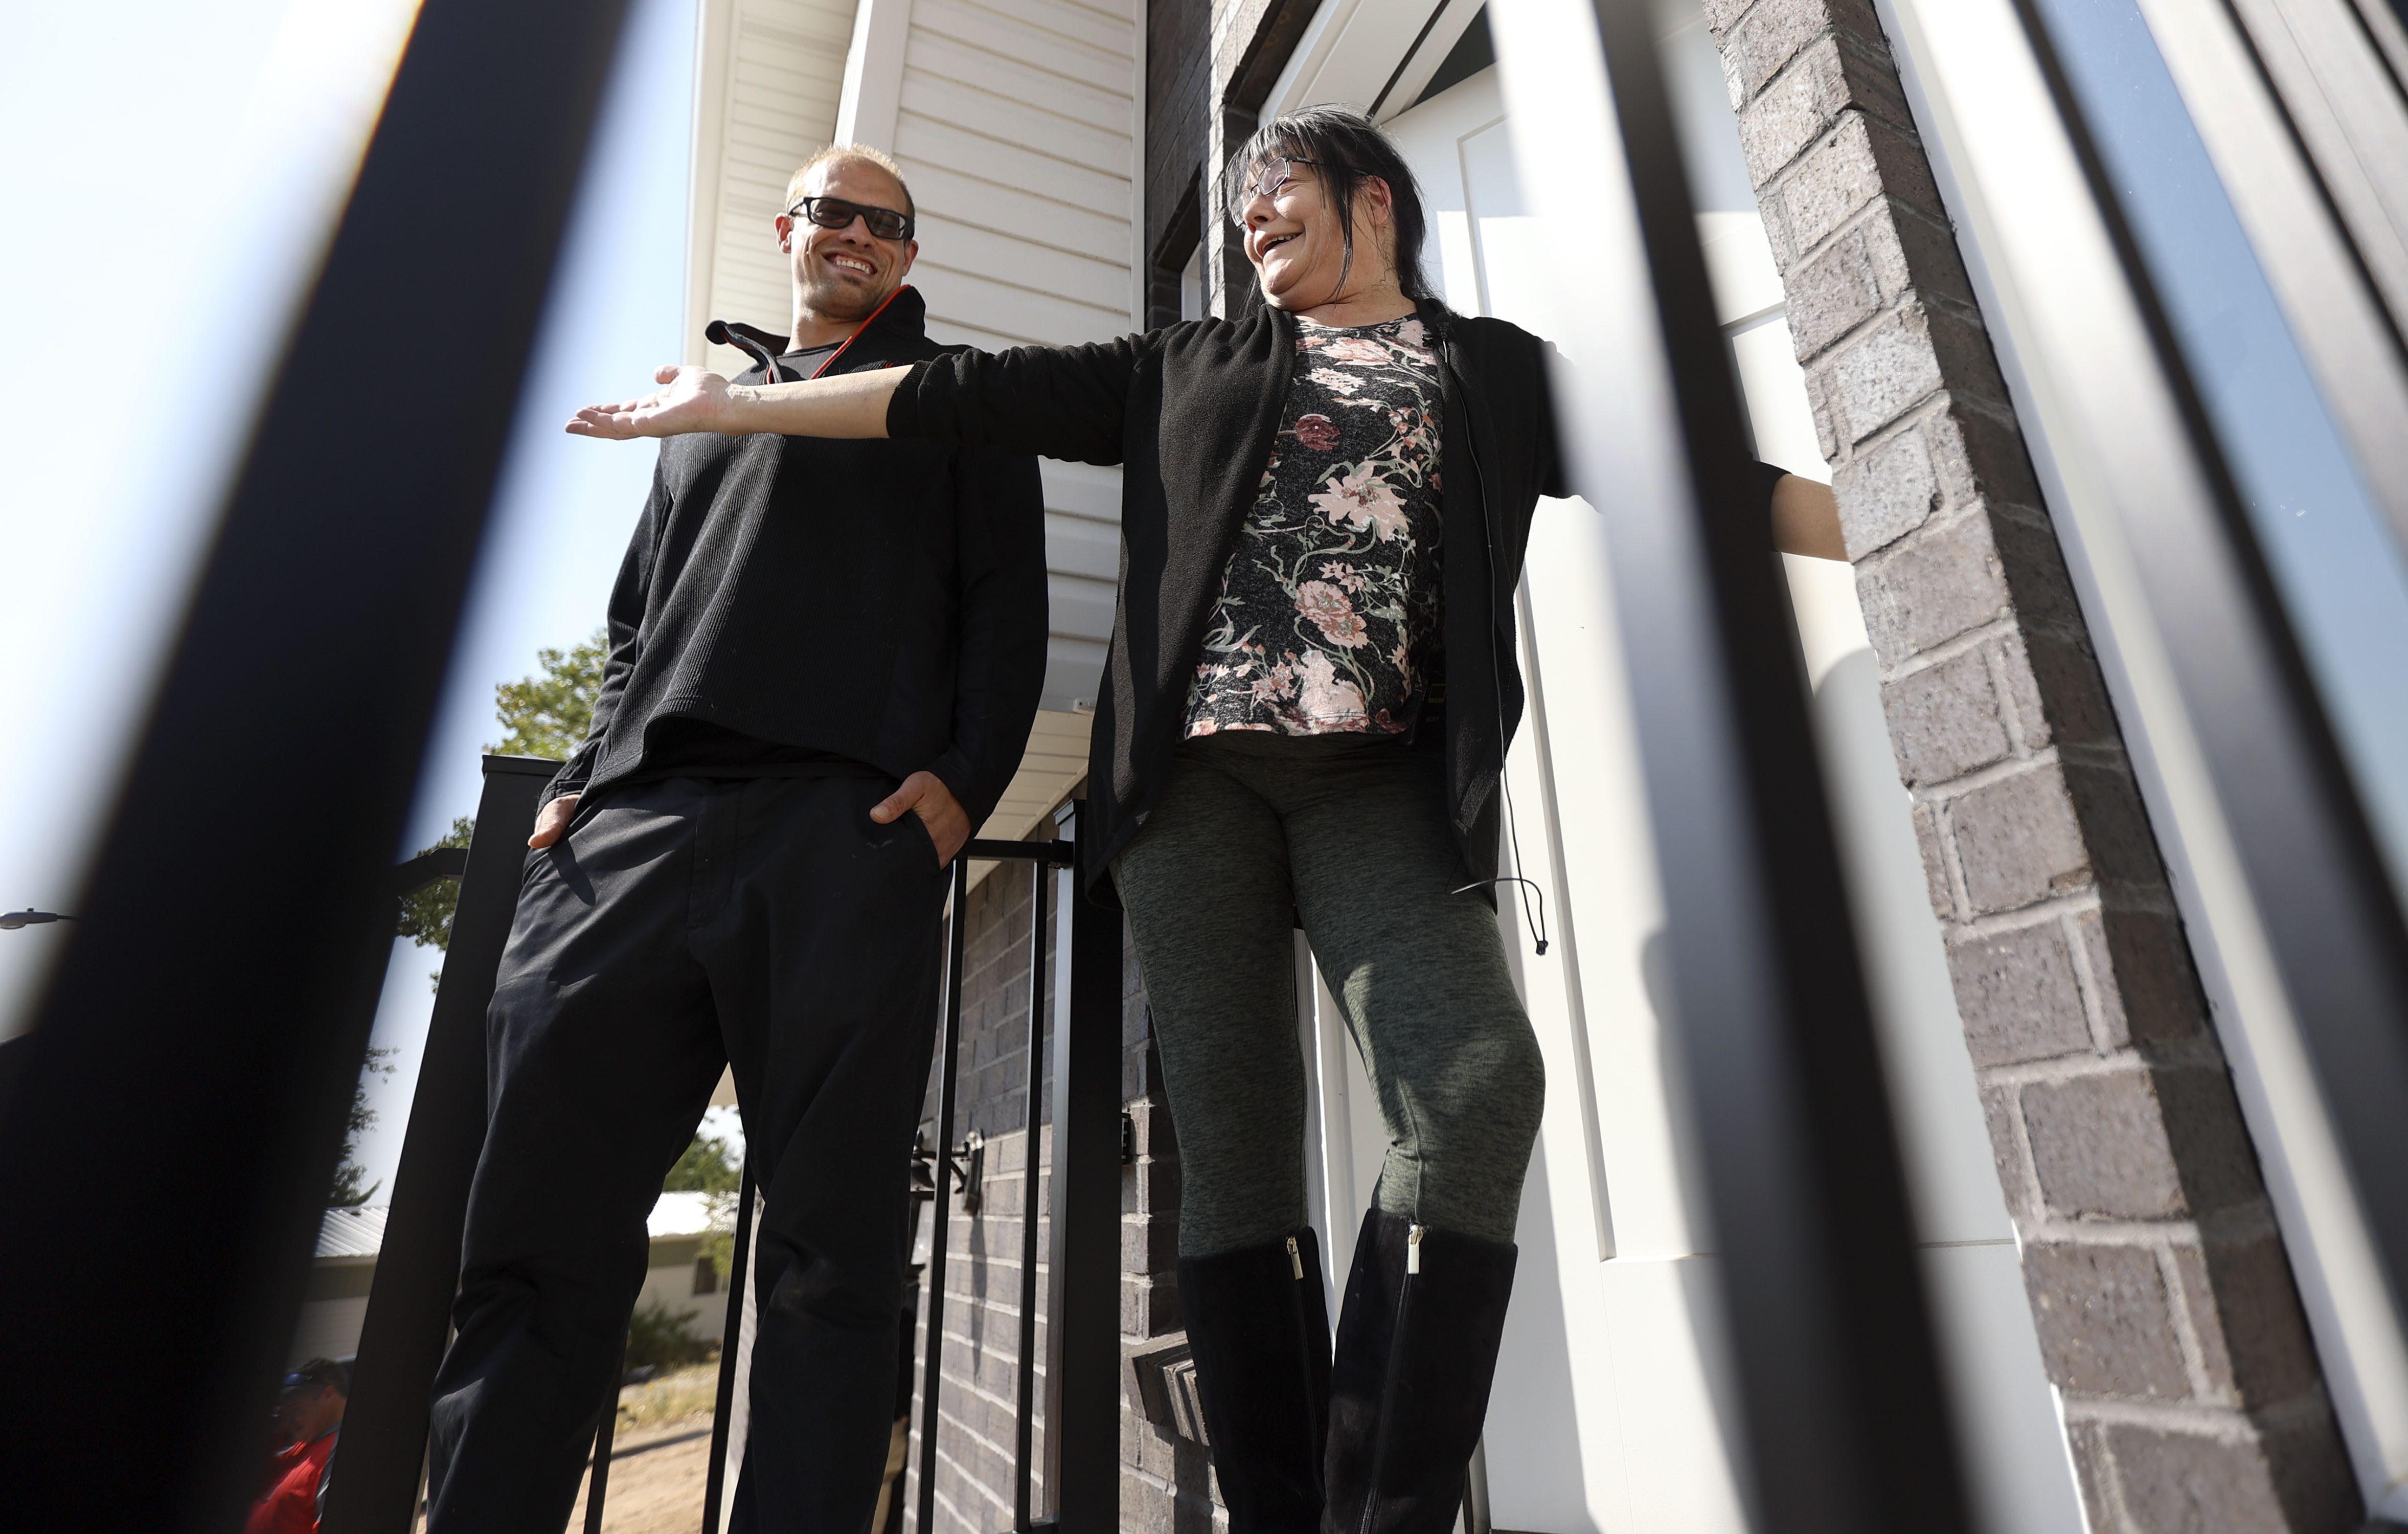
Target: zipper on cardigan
pixel 1295 1258
pixel 1388 1386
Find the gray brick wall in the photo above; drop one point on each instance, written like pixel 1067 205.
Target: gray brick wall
pixel 2164 1300
pixel 1165 1480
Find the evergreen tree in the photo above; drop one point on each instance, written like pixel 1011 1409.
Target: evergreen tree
pixel 346 1193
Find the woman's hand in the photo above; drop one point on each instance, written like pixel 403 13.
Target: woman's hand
pixel 695 400
pixel 1806 520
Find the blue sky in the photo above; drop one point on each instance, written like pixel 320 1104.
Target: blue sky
pixel 160 237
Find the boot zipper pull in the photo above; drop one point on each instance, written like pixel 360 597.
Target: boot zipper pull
pixel 1413 1251
pixel 1295 1258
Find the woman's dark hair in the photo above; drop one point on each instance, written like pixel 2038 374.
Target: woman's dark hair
pixel 1346 148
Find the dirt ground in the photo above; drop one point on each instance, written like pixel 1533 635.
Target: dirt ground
pixel 656 1481
pixel 660 1457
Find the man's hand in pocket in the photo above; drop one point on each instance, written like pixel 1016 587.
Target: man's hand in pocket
pixel 924 792
pixel 552 819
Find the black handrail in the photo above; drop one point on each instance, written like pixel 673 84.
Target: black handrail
pixel 418 1265
pixel 1082 1416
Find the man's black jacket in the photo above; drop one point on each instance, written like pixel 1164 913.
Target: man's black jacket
pixel 879 601
pixel 1190 411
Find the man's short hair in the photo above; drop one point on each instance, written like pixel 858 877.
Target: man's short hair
pixel 319 1375
pixel 859 154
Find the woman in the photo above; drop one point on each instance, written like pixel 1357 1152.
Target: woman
pixel 1306 706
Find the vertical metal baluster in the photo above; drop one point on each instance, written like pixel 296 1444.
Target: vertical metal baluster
pixel 941 1209
pixel 730 1342
pixel 1839 1389
pixel 1024 1400
pixel 1082 1282
pixel 599 1482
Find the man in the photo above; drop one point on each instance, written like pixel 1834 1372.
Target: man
pixel 824 660
pixel 310 1414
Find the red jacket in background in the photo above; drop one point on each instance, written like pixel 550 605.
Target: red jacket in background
pixel 290 1505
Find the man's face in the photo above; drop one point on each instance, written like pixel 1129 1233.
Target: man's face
pixel 309 1415
pixel 845 273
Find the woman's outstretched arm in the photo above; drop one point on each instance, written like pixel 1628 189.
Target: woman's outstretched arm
pixel 1061 402
pixel 695 400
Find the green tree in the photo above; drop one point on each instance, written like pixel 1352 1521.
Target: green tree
pixel 546 714
pixel 426 915
pixel 346 1193
pixel 663 1338
pixel 706 1167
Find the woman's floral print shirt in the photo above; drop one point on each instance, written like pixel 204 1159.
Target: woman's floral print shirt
pixel 1330 600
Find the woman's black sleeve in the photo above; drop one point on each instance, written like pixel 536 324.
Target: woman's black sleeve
pixel 1058 401
pixel 1766 476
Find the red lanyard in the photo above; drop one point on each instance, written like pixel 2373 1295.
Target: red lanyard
pixel 865 324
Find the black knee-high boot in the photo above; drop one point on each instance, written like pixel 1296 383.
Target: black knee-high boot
pixel 1259 1334
pixel 1417 1342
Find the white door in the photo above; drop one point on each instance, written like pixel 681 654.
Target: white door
pixel 1612 1409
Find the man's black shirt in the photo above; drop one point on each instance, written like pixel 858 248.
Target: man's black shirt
pixel 801 607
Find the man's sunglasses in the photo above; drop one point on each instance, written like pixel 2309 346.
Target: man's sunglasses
pixel 1265 180
pixel 836 213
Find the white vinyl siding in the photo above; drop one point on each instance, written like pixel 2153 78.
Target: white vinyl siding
pixel 1015 124
pixel 769 95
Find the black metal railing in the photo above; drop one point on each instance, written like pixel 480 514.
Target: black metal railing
pixel 418 1267
pixel 209 1064
pixel 1078 1015
pixel 1081 1404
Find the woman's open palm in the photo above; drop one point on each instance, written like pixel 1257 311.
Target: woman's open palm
pixel 694 400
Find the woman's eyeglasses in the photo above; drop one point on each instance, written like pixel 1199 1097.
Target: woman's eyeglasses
pixel 1265 180
pixel 836 213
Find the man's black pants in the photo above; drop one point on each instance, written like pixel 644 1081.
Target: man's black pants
pixel 768 923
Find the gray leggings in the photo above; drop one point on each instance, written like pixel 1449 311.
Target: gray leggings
pixel 1252 831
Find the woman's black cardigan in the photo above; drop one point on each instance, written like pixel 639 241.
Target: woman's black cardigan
pixel 1189 411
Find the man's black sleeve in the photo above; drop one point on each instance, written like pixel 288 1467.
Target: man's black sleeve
pixel 1065 402
pixel 999 520
pixel 626 622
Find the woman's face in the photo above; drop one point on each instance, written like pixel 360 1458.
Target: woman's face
pixel 1293 238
